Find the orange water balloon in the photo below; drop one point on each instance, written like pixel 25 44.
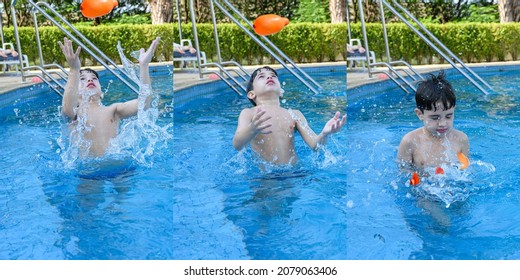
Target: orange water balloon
pixel 97 8
pixel 464 161
pixel 269 24
pixel 415 179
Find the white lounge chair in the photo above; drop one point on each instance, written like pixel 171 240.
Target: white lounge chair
pixel 359 57
pixel 191 58
pixel 13 61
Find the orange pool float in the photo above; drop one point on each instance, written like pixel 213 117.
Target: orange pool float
pixel 97 8
pixel 464 161
pixel 269 24
pixel 415 179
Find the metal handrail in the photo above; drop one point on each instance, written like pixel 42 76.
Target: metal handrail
pixel 262 45
pixel 442 53
pixel 382 5
pixel 433 46
pixel 395 72
pixel 425 30
pixel 84 46
pixel 221 63
pixel 79 39
pixel 46 76
pixel 389 64
pixel 280 53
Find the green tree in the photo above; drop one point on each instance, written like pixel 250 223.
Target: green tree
pixel 313 11
pixel 487 13
pixel 250 9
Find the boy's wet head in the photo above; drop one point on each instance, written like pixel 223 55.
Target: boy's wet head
pixel 434 91
pixel 253 77
pixel 89 70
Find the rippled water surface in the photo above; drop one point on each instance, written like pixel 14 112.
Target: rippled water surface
pixel 104 209
pixel 227 205
pixel 473 215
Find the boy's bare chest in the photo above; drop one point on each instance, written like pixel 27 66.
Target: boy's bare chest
pixel 283 121
pixel 435 153
pixel 100 118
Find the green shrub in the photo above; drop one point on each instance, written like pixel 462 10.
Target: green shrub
pixel 471 42
pixel 105 38
pixel 301 42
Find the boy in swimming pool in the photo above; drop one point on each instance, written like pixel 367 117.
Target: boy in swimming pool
pixel 270 128
pixel 102 121
pixel 437 142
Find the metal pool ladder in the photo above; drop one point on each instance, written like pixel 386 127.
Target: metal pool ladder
pixel 241 73
pixel 49 74
pixel 432 41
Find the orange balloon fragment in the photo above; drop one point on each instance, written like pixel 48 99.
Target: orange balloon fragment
pixel 464 161
pixel 415 179
pixel 269 24
pixel 97 8
pixel 439 170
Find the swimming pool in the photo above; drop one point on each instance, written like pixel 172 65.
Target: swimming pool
pixel 225 207
pixel 52 212
pixel 478 218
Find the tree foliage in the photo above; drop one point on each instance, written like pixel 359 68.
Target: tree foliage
pixel 70 10
pixel 313 11
pixel 250 9
pixel 432 11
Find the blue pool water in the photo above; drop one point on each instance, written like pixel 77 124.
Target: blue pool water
pixel 121 211
pixel 387 220
pixel 226 207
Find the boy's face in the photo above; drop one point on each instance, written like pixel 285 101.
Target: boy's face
pixel 88 82
pixel 265 81
pixel 438 123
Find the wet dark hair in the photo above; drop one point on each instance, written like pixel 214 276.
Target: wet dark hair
pixel 433 90
pixel 89 70
pixel 252 79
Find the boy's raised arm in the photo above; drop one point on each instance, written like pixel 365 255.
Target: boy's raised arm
pixel 309 136
pixel 129 108
pixel 70 97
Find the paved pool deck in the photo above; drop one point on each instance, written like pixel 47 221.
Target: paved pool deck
pixel 358 76
pixel 187 77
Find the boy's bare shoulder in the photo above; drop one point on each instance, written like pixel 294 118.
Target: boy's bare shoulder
pixel 294 112
pixel 248 111
pixel 411 136
pixel 459 135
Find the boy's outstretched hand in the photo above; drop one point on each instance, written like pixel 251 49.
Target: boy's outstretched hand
pixel 335 124
pixel 145 57
pixel 71 56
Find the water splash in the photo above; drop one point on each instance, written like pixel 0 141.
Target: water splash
pixel 454 185
pixel 140 137
pixel 72 142
pixel 239 163
pixel 137 139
